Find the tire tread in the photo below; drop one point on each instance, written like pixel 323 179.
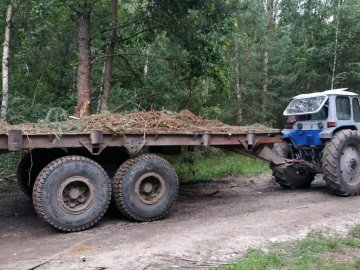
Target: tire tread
pixel 118 182
pixel 329 162
pixel 39 191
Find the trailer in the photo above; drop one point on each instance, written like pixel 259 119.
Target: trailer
pixel 71 178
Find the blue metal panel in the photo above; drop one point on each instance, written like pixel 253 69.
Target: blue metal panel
pixel 303 137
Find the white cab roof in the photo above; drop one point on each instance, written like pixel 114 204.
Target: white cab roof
pixel 339 92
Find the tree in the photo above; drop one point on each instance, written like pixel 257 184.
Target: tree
pixel 83 85
pixel 5 63
pixel 336 44
pixel 108 68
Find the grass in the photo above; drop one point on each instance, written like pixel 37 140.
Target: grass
pixel 317 251
pixel 256 260
pixel 8 163
pixel 209 165
pixel 200 164
pixel 217 167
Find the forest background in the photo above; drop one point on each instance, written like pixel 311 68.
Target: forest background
pixel 236 60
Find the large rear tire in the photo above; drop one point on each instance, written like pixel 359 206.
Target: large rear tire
pixel 341 163
pixel 145 188
pixel 72 193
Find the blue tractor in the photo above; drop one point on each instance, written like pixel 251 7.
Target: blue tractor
pixel 321 135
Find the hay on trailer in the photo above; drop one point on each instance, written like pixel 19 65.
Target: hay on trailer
pixel 144 122
pixel 3 127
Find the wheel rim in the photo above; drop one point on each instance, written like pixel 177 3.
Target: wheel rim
pixel 349 164
pixel 76 195
pixel 150 188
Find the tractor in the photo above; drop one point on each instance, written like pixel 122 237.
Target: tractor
pixel 321 136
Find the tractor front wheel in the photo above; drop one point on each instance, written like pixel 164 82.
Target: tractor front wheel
pixel 287 175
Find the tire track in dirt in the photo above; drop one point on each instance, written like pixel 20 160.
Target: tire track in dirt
pixel 211 224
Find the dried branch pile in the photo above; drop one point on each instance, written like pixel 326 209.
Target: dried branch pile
pixel 3 126
pixel 145 122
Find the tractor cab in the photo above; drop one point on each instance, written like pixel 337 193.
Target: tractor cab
pixel 321 136
pixel 313 118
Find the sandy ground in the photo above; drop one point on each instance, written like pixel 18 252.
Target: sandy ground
pixel 211 224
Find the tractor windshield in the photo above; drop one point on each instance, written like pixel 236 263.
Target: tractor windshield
pixel 305 105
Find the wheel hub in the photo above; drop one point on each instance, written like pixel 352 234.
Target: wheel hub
pixel 150 188
pixel 349 160
pixel 353 164
pixel 76 194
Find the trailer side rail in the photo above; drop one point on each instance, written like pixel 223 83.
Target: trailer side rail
pixel 97 140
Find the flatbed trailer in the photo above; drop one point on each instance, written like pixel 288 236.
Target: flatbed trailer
pixel 71 177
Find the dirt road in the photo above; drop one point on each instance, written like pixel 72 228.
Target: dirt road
pixel 211 224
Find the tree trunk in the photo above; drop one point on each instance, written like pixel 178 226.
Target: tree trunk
pixel 269 31
pixel 109 59
pixel 237 85
pixel 84 57
pixel 146 65
pixel 336 44
pixel 268 38
pixel 5 64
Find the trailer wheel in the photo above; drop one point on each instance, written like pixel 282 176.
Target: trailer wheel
pixel 110 158
pixel 145 188
pixel 341 163
pixel 31 164
pixel 72 193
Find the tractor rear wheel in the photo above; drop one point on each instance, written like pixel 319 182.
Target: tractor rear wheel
pixel 341 163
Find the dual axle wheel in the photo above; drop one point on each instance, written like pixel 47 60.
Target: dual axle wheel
pixel 72 193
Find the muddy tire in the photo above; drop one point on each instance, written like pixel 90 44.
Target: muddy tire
pixel 287 177
pixel 341 163
pixel 72 193
pixel 31 164
pixel 145 188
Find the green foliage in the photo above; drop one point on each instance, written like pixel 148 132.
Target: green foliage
pixel 206 56
pixel 22 109
pixel 213 112
pixel 256 260
pixel 317 251
pixel 355 232
pixel 308 250
pixel 8 164
pixel 212 163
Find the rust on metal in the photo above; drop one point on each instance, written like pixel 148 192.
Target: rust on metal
pixel 96 141
pixel 14 140
pixel 250 138
pixel 96 137
pixel 206 139
pixel 134 144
